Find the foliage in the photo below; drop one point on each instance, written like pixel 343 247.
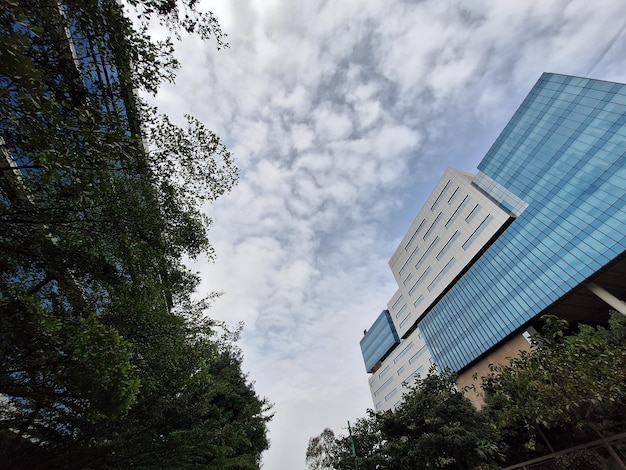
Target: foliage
pixel 204 414
pixel 567 390
pixel 322 451
pixel 572 385
pixel 437 427
pixel 183 15
pixel 329 451
pixel 368 444
pixel 581 460
pixel 434 427
pixel 106 362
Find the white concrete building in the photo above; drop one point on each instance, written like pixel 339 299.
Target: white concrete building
pixel 456 222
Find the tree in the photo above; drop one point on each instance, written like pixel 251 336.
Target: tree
pixel 206 414
pixel 104 356
pixel 568 389
pixel 329 451
pixel 571 385
pixel 435 426
pixel 322 451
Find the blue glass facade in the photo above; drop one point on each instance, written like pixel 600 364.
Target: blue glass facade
pixel 379 340
pixel 563 153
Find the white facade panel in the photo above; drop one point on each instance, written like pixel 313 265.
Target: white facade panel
pixel 392 380
pixel 455 223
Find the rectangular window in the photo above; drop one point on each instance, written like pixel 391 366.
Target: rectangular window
pixel 382 387
pixel 418 301
pixel 403 352
pixel 441 274
pixel 419 281
pixel 477 232
pixel 447 246
pixel 432 226
pixel 440 194
pixel 395 304
pixel 409 259
pixel 406 247
pixel 471 215
pixel 411 378
pixel 408 278
pixel 427 252
pixel 418 355
pixel 453 194
pixel 458 210
pixel 383 372
pixel 401 311
pixel 391 394
pixel 404 322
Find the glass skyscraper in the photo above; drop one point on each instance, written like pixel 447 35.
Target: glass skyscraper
pixel 558 174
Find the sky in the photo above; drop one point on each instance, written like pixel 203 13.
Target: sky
pixel 342 117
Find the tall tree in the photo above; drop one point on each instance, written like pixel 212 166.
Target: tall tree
pixel 103 353
pixel 568 389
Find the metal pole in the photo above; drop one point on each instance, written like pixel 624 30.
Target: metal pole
pixel 356 464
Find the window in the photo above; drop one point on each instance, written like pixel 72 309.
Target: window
pixel 427 252
pixel 432 226
pixel 401 311
pixel 382 387
pixel 419 281
pixel 409 259
pixel 471 215
pixel 458 210
pixel 404 322
pixel 477 232
pixel 418 354
pixel 442 273
pixel 440 194
pixel 447 246
pixel 406 247
pixel 391 394
pixel 403 352
pixel 453 194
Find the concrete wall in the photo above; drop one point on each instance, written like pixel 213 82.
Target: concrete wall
pixel 500 355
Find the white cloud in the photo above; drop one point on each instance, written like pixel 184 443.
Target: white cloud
pixel 331 124
pixel 297 101
pixel 368 113
pixel 302 137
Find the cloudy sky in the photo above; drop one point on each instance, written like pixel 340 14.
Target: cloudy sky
pixel 342 116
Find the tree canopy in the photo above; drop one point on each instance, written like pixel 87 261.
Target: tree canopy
pixel 569 389
pixel 435 426
pixel 106 361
